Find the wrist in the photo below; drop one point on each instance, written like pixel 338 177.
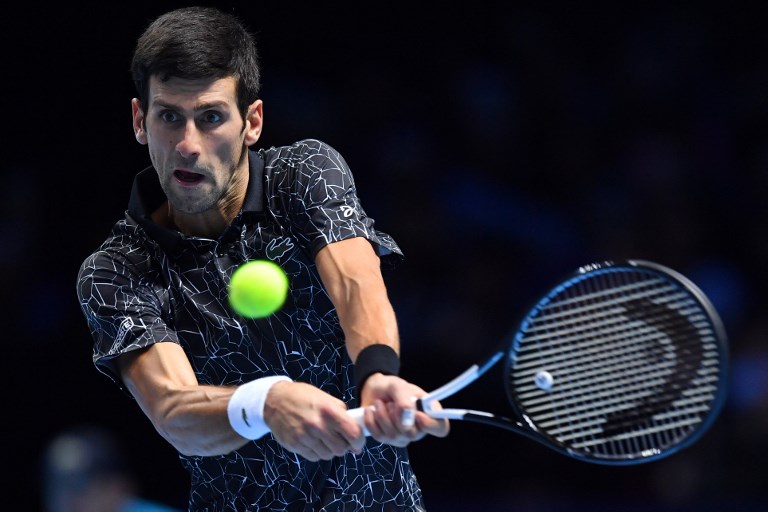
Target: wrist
pixel 245 408
pixel 377 358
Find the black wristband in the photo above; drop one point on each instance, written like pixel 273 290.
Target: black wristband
pixel 378 358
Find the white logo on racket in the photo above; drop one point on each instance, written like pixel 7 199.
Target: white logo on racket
pixel 543 380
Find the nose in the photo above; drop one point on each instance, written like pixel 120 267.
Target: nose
pixel 189 144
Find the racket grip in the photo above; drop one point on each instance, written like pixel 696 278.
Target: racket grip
pixel 357 414
pixel 408 418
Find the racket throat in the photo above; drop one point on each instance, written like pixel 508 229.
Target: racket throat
pixel 458 414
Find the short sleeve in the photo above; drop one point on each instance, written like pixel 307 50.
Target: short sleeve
pixel 323 204
pixel 122 308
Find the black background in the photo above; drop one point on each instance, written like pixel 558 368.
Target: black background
pixel 501 146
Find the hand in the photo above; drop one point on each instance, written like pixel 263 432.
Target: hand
pixel 310 422
pixel 390 396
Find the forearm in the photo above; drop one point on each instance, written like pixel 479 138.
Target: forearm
pixel 351 273
pixel 192 417
pixel 194 420
pixel 366 315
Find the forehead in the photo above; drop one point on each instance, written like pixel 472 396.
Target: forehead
pixel 191 93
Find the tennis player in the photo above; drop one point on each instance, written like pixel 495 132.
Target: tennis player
pixel 257 409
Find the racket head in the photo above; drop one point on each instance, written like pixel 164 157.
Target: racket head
pixel 623 363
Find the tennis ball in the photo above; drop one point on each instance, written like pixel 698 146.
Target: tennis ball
pixel 544 380
pixel 258 288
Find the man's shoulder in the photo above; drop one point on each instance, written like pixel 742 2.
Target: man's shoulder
pixel 302 165
pixel 301 149
pixel 126 241
pixel 126 232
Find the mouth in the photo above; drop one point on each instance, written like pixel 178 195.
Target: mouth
pixel 188 177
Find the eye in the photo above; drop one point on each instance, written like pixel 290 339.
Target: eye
pixel 169 116
pixel 211 117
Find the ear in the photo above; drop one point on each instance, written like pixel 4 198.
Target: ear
pixel 254 121
pixel 139 121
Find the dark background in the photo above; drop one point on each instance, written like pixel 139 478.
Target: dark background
pixel 501 146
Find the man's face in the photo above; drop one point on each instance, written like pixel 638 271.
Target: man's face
pixel 196 140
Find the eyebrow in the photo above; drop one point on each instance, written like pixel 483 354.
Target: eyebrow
pixel 222 105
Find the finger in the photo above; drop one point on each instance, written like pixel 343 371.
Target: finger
pixel 349 431
pixel 439 427
pixel 382 421
pixel 319 442
pixel 432 426
pixel 379 420
pixel 306 451
pixel 331 442
pixel 394 417
pixel 408 424
pixel 408 418
pixel 322 448
pixel 405 434
pixel 406 405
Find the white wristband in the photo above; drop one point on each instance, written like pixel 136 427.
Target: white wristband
pixel 246 406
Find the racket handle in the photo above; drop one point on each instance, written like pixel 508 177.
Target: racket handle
pixel 409 416
pixel 357 414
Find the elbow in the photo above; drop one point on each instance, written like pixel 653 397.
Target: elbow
pixel 176 437
pixel 192 439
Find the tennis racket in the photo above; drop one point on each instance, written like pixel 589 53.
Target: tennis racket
pixel 622 363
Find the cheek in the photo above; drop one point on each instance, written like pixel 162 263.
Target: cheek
pixel 159 143
pixel 156 155
pixel 230 150
pixel 158 139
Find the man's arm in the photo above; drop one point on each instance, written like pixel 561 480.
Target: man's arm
pixel 194 418
pixel 351 273
pixel 191 417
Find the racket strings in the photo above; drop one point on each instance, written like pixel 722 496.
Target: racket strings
pixel 616 364
pixel 634 361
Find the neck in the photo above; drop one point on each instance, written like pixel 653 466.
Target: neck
pixel 209 224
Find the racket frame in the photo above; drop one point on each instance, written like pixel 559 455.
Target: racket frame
pixel 528 427
pixel 524 425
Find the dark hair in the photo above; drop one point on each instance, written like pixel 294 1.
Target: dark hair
pixel 193 43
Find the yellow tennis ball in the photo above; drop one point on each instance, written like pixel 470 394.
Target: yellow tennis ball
pixel 258 288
